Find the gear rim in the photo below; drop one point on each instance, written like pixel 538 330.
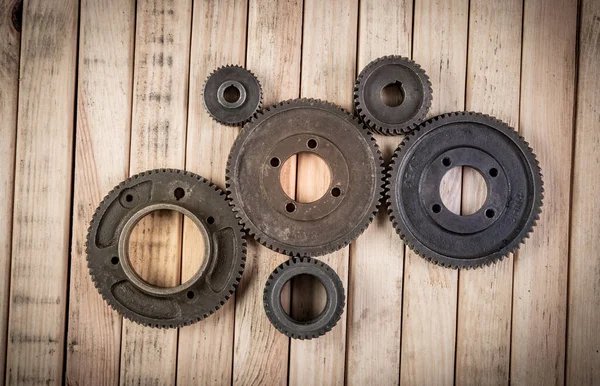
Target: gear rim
pixel 232 113
pixel 199 297
pixel 377 115
pixel 256 228
pixel 323 322
pixel 413 235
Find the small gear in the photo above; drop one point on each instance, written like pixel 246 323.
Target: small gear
pixel 499 154
pixel 286 225
pixel 108 253
pixel 321 324
pixel 409 83
pixel 232 95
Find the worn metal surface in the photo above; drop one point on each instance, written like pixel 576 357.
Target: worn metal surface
pixel 323 322
pixel 413 85
pixel 237 111
pixel 108 253
pixel 286 225
pixel 499 154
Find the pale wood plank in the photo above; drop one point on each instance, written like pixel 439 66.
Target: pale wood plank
pixel 9 86
pixel 218 38
pixel 328 72
pixel 273 55
pixel 101 162
pixel 583 345
pixel 430 292
pixel 377 257
pixel 160 99
pixel 36 326
pixel 485 295
pixel 546 121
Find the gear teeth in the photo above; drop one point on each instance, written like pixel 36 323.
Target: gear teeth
pixel 414 122
pixel 251 230
pixel 457 264
pixel 115 305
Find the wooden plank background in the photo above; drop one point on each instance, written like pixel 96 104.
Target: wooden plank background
pixel 96 90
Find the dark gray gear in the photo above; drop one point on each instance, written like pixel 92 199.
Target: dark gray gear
pixel 108 253
pixel 288 226
pixel 223 105
pixel 411 81
pixel 514 185
pixel 321 324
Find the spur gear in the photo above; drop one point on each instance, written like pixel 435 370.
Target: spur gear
pixel 232 95
pixel 408 80
pixel 108 253
pixel 506 162
pixel 281 223
pixel 321 324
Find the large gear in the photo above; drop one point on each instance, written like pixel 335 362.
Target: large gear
pixel 108 253
pixel 323 322
pixel 506 162
pixel 409 80
pixel 234 108
pixel 288 226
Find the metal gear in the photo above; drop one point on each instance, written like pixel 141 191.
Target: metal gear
pixel 514 184
pixel 321 324
pixel 237 108
pixel 108 253
pixel 281 223
pixel 409 80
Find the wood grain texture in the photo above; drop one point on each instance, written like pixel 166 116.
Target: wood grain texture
pixel 101 162
pixel 583 340
pixel 546 122
pixel 205 353
pixel 40 236
pixel 159 120
pixel 328 72
pixel 485 295
pixel 430 291
pixel 377 257
pixel 273 55
pixel 9 94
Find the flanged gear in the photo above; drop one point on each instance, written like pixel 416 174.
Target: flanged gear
pixel 286 225
pixel 232 95
pixel 323 322
pixel 409 83
pixel 108 253
pixel 499 154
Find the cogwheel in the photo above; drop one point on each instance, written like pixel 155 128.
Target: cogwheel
pixel 409 86
pixel 499 154
pixel 232 95
pixel 282 223
pixel 326 320
pixel 108 253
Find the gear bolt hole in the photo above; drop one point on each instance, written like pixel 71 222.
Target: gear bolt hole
pixel 494 172
pixel 210 220
pixel 312 143
pixel 190 294
pixel 392 94
pixel 436 208
pixel 231 94
pixel 490 213
pixel 336 192
pixel 290 207
pixel 179 193
pixel 129 198
pixel 275 162
pixel 114 260
pixel 446 162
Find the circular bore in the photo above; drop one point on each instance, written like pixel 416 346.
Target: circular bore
pixel 232 112
pixel 323 322
pixel 286 225
pixel 108 253
pixel 514 185
pixel 404 76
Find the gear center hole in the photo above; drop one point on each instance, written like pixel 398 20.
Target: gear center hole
pixel 474 190
pixel 392 94
pixel 231 94
pixel 308 297
pixel 313 176
pixel 166 248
